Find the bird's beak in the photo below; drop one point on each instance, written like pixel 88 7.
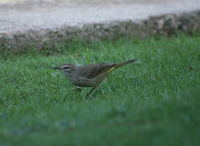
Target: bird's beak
pixel 56 67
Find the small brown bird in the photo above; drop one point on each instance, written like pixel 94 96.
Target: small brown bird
pixel 91 75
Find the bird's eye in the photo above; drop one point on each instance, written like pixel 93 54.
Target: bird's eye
pixel 66 67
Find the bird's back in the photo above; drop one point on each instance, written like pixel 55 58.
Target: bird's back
pixel 92 70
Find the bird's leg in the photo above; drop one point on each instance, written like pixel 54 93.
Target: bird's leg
pixel 90 92
pixel 96 92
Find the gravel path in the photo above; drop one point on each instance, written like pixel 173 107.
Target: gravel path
pixel 48 22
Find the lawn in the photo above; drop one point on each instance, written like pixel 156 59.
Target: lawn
pixel 154 102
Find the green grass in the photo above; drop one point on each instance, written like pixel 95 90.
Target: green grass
pixel 153 102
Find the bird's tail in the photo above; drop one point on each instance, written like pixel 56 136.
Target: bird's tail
pixel 121 64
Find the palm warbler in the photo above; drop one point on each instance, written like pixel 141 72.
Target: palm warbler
pixel 91 75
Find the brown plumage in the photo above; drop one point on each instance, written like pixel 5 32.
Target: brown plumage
pixel 91 75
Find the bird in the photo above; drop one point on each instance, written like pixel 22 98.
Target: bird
pixel 91 75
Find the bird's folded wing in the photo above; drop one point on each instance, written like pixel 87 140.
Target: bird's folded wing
pixel 99 69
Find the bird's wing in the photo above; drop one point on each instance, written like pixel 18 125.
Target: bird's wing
pixel 99 69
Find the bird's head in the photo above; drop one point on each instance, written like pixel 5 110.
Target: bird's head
pixel 67 68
